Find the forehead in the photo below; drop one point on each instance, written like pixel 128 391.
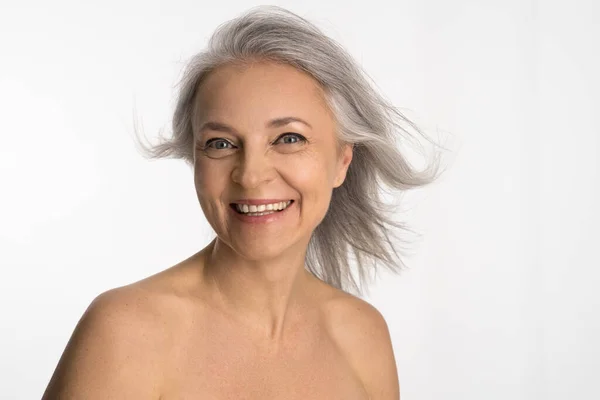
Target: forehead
pixel 258 92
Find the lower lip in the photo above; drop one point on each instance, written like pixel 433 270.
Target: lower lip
pixel 262 219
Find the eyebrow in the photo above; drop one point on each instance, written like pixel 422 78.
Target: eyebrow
pixel 274 123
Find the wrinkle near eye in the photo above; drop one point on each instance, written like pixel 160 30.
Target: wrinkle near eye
pixel 299 137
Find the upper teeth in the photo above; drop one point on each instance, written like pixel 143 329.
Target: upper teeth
pixel 245 208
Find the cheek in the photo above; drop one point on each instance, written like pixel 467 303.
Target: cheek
pixel 310 175
pixel 313 184
pixel 209 176
pixel 210 185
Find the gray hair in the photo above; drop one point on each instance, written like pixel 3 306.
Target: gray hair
pixel 357 224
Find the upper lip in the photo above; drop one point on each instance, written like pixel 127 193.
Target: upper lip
pixel 259 201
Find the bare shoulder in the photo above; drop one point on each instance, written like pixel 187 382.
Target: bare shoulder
pixel 362 334
pixel 115 349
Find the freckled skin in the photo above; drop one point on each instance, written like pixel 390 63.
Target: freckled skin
pixel 214 356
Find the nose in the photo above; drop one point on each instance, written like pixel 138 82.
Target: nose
pixel 252 170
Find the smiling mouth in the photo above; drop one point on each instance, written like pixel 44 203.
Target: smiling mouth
pixel 263 209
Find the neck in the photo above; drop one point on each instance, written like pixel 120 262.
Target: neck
pixel 263 294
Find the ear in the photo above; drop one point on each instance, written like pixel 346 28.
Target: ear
pixel 344 159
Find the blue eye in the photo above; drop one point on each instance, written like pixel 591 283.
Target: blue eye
pixel 296 138
pixel 220 144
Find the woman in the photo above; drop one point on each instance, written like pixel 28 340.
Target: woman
pixel 289 145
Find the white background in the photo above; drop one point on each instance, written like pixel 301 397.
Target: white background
pixel 499 301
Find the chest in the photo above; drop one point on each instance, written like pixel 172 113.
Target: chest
pixel 230 366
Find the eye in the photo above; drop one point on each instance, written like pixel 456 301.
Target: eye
pixel 291 138
pixel 217 144
pixel 217 148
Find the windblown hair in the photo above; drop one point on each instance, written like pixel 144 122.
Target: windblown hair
pixel 358 226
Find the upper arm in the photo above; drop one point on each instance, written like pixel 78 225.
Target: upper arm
pixel 110 353
pixel 364 335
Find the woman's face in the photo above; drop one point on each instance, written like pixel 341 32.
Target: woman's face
pixel 248 149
